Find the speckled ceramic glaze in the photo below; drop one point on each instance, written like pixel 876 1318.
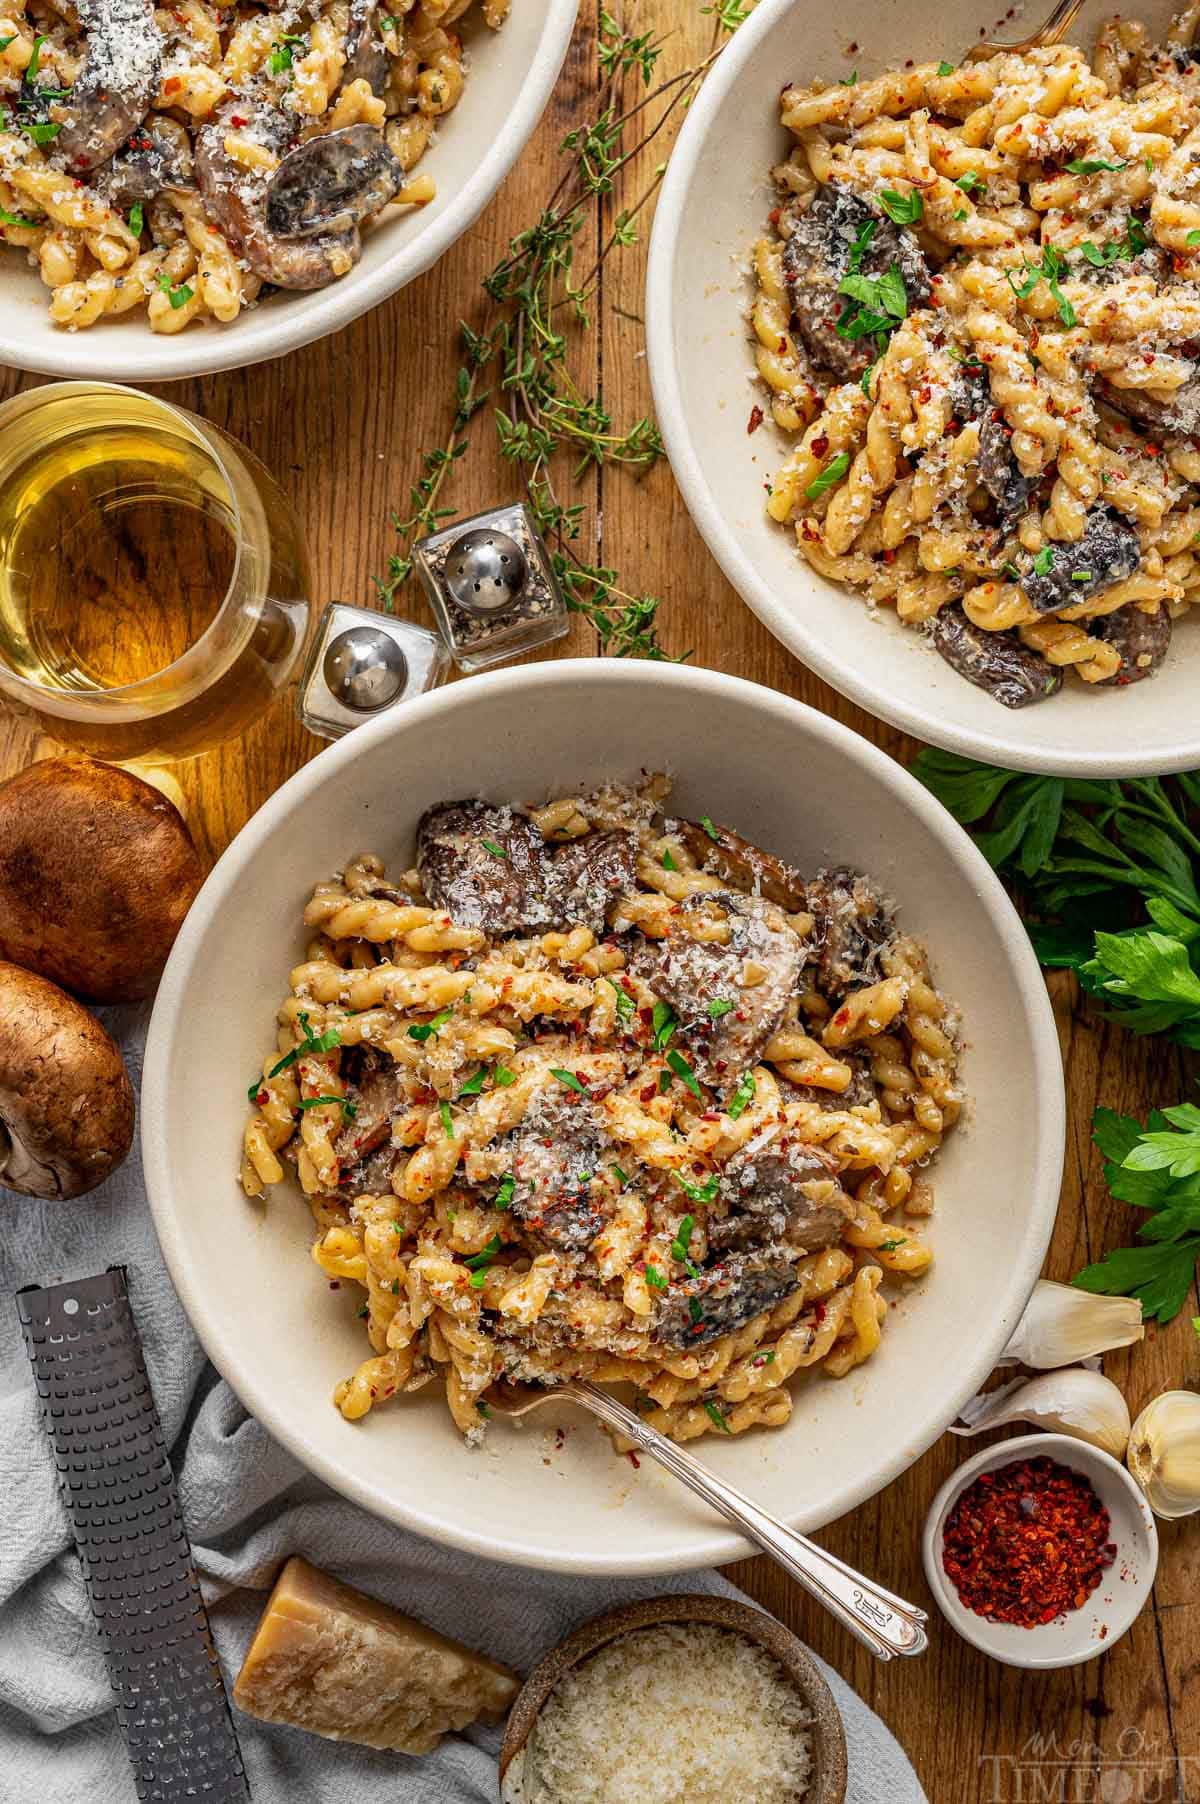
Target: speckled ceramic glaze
pixel 714 204
pixel 786 776
pixel 512 74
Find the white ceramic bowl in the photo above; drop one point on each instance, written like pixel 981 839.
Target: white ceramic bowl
pixel 789 778
pixel 511 77
pixel 714 204
pixel 1116 1601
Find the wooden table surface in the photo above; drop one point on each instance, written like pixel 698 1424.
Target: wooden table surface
pixel 342 424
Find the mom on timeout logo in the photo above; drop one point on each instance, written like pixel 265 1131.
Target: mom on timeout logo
pixel 1134 1769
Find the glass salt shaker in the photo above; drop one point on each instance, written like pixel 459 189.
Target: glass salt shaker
pixel 492 587
pixel 362 662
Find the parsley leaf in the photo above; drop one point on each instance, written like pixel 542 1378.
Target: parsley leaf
pixel 489 845
pixel 15 219
pixel 569 1079
pixel 447 1119
pixel 743 1095
pixel 699 1193
pixel 683 1070
pixel 706 823
pixel 668 863
pixel 424 1029
pixel 970 181
pixel 718 1008
pixel 474 1083
pixel 903 209
pixel 716 1418
pixel 830 473
pixel 1193 238
pixel 1043 563
pixel 504 1195
pixel 1156 1168
pixel 663 1023
pixel 625 1003
pixel 1093 165
pixel 848 81
pixel 945 69
pixel 654 1277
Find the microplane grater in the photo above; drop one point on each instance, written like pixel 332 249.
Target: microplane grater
pixel 119 1492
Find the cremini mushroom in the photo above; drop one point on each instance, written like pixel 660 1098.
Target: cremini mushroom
pixel 116 83
pixel 97 871
pixel 66 1103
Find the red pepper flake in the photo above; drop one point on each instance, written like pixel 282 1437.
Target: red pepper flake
pixel 820 444
pixel 334 1284
pixel 1027 1543
pixel 633 1459
pixel 755 420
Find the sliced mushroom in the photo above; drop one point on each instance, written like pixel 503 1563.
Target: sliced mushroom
pixel 490 867
pixel 971 399
pixel 786 1192
pixel 816 259
pixel 366 52
pixel 998 662
pixel 728 999
pixel 66 1103
pixel 332 183
pixel 97 871
pixel 589 874
pixel 852 926
pixel 1181 414
pixel 698 1310
pixel 116 84
pixel 364 1151
pixel 1107 552
pixel 745 866
pixel 1142 639
pixel 555 1152
pixel 157 156
pixel 235 199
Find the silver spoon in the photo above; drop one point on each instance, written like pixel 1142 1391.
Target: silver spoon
pixel 1054 29
pixel 885 1624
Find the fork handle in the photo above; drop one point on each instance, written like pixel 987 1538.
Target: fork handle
pixel 885 1624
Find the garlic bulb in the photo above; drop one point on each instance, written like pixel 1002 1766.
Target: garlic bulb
pixel 1164 1453
pixel 1075 1401
pixel 1062 1324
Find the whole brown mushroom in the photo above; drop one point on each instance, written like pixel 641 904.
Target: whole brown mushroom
pixel 97 871
pixel 66 1102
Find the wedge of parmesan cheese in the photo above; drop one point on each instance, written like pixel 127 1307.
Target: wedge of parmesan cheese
pixel 329 1659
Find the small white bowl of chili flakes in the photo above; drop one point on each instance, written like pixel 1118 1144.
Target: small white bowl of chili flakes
pixel 1041 1551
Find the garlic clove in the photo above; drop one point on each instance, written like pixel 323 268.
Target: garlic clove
pixel 1073 1401
pixel 1164 1454
pixel 1062 1324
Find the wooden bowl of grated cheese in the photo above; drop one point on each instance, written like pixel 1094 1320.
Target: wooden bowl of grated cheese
pixel 675 1700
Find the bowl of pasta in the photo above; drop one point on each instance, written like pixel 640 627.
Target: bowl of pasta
pixel 199 189
pixel 680 1060
pixel 924 337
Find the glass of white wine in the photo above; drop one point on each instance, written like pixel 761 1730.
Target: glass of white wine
pixel 153 579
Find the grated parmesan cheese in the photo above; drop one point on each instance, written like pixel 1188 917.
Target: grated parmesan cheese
pixel 677 1714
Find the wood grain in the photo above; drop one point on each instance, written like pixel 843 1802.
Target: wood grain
pixel 343 424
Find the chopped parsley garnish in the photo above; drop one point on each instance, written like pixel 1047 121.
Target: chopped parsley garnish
pixel 881 301
pixel 668 863
pixel 569 1079
pixel 664 1082
pixel 485 1409
pixel 504 1195
pixel 742 1095
pixel 1009 569
pixel 388 21
pixel 699 1193
pixel 716 1418
pixel 1193 238
pixel 310 1043
pixel 945 69
pixel 502 1077
pixel 474 1084
pixel 706 823
pixel 1052 266
pixel 683 1238
pixel 903 209
pixel 284 54
pixel 178 294
pixel 960 213
pixel 425 1029
pixel 970 181
pixel 1081 576
pixel 719 1008
pixel 42 131
pixel 832 472
pixel 31 68
pixel 349 1109
pixel 1093 165
pixel 5 42
pixel 889 1246
pixel 695 1309
pixel 363 1311
pixel 447 1120
pixel 683 1070
pixel 137 219
pixel 654 1277
pixel 862 244
pixel 478 1264
pixel 864 381
pixel 14 219
pixel 763 1359
pixel 489 845
pixel 620 1176
pixel 625 1002
pixel 848 81
pixel 663 1023
pixel 1043 563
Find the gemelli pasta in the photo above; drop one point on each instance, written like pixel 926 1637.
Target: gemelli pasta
pixel 977 316
pixel 175 160
pixel 594 1092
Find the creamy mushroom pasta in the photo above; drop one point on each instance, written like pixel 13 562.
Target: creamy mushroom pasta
pixel 178 159
pixel 594 1093
pixel 978 313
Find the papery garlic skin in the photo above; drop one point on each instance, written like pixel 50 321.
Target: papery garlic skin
pixel 1074 1401
pixel 1164 1454
pixel 1062 1325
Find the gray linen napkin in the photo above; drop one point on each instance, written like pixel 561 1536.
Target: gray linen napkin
pixel 247 1505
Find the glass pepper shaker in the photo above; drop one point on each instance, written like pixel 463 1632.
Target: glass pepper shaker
pixel 362 662
pixel 492 587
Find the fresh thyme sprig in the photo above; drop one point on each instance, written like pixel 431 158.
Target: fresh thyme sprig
pixel 548 426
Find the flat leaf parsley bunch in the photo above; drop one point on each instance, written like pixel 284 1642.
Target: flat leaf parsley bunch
pixel 517 357
pixel 1109 872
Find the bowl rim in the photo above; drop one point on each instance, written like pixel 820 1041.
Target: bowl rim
pixel 167 359
pixel 749 1620
pixel 1067 1449
pixel 866 683
pixel 525 683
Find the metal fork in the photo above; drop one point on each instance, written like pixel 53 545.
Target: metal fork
pixel 1053 31
pixel 885 1624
